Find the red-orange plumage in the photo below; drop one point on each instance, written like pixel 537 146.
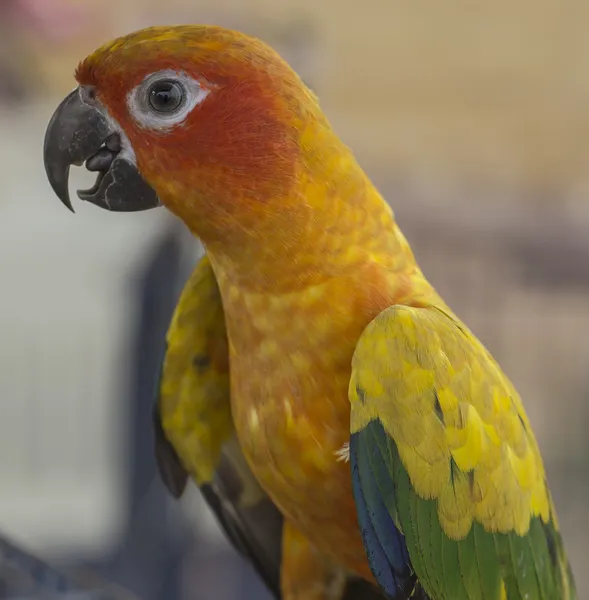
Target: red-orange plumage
pixel 235 140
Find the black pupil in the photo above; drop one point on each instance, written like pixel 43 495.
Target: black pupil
pixel 165 96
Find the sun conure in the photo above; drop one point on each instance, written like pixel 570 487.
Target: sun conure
pixel 353 436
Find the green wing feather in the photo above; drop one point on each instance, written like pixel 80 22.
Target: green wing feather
pixel 465 482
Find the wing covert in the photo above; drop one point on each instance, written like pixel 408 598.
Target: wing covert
pixel 456 461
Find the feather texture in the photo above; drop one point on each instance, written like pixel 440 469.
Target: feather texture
pixel 455 462
pixel 194 431
pixel 447 481
pixel 195 435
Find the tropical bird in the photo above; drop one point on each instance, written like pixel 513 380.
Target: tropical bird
pixel 351 433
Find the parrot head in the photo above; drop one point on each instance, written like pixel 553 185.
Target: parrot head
pixel 216 127
pixel 209 122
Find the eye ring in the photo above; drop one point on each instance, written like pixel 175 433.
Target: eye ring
pixel 164 99
pixel 166 96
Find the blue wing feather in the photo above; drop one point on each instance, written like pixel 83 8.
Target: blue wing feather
pixel 385 544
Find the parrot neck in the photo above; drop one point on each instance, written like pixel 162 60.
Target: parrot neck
pixel 331 222
pixel 309 244
pixel 312 216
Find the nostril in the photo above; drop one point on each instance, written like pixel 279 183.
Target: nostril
pixel 88 93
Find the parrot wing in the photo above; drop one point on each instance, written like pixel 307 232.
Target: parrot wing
pixel 194 432
pixel 448 479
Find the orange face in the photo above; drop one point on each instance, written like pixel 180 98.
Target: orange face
pixel 217 127
pixel 213 117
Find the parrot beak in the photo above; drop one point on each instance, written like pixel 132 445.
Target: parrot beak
pixel 79 131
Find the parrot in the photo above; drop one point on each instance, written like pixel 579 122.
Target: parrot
pixel 353 437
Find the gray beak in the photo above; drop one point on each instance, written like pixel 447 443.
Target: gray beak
pixel 79 132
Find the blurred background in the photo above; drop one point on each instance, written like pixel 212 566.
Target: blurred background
pixel 472 118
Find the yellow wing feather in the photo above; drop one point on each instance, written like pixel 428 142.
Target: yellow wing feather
pixel 458 422
pixel 194 398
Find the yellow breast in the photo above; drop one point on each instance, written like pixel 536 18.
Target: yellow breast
pixel 291 425
pixel 290 367
pixel 290 360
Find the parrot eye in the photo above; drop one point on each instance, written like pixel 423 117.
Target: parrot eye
pixel 165 96
pixel 164 99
